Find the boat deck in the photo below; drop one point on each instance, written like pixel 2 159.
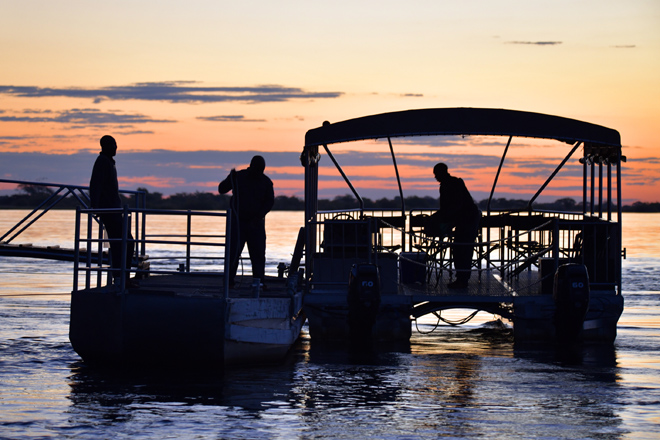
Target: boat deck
pixel 486 291
pixel 192 284
pixel 485 284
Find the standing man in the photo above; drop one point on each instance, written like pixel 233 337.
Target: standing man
pixel 104 194
pixel 458 211
pixel 252 198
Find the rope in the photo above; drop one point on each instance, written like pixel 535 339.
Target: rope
pixel 446 321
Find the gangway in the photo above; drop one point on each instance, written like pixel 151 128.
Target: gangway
pixel 10 245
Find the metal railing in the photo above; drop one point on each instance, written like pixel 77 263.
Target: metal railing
pixel 54 198
pixel 181 246
pixel 508 243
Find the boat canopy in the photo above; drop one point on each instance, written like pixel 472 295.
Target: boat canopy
pixel 464 121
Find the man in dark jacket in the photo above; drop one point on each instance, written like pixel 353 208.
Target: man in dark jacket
pixel 104 194
pixel 252 198
pixel 458 211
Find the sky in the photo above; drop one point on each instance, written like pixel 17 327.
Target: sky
pixel 193 89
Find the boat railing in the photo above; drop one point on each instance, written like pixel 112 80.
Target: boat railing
pixel 508 243
pixel 176 251
pixel 56 194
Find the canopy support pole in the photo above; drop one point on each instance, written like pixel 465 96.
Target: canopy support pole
pixel 497 176
pixel 554 173
pixel 348 182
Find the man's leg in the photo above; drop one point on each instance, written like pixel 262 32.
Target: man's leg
pixel 256 242
pixel 113 225
pixel 464 238
pixel 236 245
pixel 462 256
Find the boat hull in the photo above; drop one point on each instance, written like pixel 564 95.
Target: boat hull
pixel 534 319
pixel 161 328
pixel 110 328
pixel 329 320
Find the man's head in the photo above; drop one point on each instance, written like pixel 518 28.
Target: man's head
pixel 108 145
pixel 440 171
pixel 257 165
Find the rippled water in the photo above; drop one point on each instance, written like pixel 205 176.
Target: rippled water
pixel 465 382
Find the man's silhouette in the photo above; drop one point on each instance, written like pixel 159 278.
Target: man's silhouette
pixel 252 198
pixel 103 194
pixel 458 211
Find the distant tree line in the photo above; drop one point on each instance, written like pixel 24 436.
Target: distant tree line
pixel 642 207
pixel 30 196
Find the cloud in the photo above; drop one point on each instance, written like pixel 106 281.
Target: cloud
pixel 165 171
pixel 625 46
pixel 85 116
pixel 372 174
pixel 645 160
pixel 172 91
pixel 228 118
pixel 536 43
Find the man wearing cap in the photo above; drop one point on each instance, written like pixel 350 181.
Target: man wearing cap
pixel 458 211
pixel 252 198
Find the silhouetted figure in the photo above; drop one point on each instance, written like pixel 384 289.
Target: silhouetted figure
pixel 104 193
pixel 458 211
pixel 252 198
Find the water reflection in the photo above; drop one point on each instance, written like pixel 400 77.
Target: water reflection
pixel 455 382
pixel 588 356
pixel 463 383
pixel 249 389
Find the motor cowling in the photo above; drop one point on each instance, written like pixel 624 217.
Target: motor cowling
pixel 363 299
pixel 571 296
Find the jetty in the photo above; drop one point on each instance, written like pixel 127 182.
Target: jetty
pixel 55 194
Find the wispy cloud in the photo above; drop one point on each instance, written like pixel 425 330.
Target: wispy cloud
pixel 229 118
pixel 173 92
pixel 84 116
pixel 170 171
pixel 536 43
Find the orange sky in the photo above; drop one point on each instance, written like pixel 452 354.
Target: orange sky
pixel 254 77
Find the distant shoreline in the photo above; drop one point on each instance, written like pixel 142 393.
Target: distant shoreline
pixel 206 201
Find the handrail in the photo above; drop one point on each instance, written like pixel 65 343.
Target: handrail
pixel 515 245
pixel 80 193
pixel 186 243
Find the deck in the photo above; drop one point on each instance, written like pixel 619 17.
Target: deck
pixel 199 284
pixel 484 284
pixel 486 291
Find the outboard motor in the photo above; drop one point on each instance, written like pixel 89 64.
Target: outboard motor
pixel 571 295
pixel 363 299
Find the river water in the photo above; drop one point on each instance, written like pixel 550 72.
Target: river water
pixel 456 382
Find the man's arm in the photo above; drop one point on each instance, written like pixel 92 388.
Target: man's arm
pixel 225 186
pixel 96 185
pixel 269 199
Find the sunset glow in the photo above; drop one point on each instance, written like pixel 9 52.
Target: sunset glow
pixel 193 89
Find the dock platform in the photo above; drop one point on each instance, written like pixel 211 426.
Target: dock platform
pixel 55 252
